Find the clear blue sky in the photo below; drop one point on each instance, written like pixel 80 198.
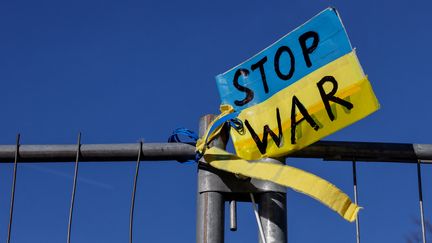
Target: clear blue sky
pixel 121 71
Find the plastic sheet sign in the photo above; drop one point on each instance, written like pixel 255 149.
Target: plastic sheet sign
pixel 302 88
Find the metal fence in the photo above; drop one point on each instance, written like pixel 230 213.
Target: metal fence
pixel 210 221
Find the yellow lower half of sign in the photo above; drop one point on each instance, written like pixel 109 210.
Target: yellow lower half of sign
pixel 319 104
pixel 288 176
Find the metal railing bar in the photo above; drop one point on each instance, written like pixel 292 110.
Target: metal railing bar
pixel 327 150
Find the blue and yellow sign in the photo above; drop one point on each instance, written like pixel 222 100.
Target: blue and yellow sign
pixel 302 88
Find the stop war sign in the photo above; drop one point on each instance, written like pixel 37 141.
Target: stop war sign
pixel 300 89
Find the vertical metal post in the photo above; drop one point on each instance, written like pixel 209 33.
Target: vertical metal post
pixel 354 171
pixel 210 205
pixel 273 214
pixel 421 201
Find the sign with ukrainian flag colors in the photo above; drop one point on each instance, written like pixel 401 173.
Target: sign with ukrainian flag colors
pixel 302 88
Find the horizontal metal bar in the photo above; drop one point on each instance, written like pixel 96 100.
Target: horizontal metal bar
pixel 98 152
pixel 327 150
pixel 367 151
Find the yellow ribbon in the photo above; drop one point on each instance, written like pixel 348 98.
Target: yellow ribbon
pixel 288 176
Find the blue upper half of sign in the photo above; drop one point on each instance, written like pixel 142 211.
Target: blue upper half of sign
pixel 319 41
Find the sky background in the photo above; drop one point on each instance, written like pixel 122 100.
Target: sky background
pixel 120 71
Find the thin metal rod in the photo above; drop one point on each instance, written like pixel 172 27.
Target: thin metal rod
pixel 134 192
pixel 12 202
pixel 328 150
pixel 233 215
pixel 421 201
pixel 74 188
pixel 354 171
pixel 258 219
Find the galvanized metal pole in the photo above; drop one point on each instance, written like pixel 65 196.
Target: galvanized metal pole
pixel 273 213
pixel 210 205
